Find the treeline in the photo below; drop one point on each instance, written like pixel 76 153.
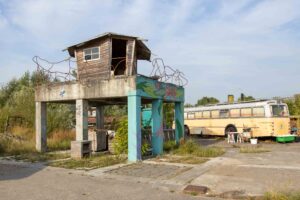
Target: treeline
pixel 294 105
pixel 17 100
pixel 212 100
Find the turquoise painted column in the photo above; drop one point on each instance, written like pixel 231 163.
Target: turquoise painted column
pixel 134 127
pixel 157 127
pixel 179 121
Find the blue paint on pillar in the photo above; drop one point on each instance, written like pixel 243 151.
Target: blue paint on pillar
pixel 157 127
pixel 134 127
pixel 179 121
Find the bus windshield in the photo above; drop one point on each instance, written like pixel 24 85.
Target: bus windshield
pixel 279 111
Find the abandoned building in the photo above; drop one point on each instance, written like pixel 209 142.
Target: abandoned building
pixel 107 74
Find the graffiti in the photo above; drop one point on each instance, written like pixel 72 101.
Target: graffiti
pixel 156 89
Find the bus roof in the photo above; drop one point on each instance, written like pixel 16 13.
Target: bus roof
pixel 219 106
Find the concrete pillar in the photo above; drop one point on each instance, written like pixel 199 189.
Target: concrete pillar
pixel 102 144
pixel 134 128
pixel 41 126
pixel 81 119
pixel 179 121
pixel 157 127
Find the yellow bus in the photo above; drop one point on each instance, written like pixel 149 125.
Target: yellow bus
pixel 264 118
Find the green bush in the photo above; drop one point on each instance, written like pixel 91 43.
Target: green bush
pixel 120 142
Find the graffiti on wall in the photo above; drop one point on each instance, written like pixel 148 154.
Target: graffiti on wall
pixel 154 89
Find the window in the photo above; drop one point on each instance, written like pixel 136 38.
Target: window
pixel 214 114
pixel 91 53
pixel 185 115
pixel 246 112
pixel 191 116
pixel 259 112
pixel 235 113
pixel 198 115
pixel 224 113
pixel 279 111
pixel 206 114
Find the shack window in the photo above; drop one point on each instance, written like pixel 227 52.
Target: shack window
pixel 91 53
pixel 198 115
pixel 214 114
pixel 206 114
pixel 235 113
pixel 191 116
pixel 259 112
pixel 224 113
pixel 246 112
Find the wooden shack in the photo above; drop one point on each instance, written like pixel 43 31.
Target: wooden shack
pixel 108 55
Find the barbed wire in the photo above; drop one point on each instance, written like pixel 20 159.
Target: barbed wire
pixel 166 73
pixel 48 74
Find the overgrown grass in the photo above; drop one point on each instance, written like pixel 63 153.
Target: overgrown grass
pixel 90 163
pixel 59 140
pixel 273 195
pixel 253 149
pixel 192 148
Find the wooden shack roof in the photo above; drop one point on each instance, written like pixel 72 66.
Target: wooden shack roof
pixel 143 52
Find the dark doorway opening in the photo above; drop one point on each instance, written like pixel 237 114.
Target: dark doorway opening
pixel 118 60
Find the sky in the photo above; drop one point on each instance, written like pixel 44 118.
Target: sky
pixel 222 46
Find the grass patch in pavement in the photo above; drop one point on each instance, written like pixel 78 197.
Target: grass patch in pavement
pixel 253 149
pixel 191 148
pixel 90 162
pixel 183 159
pixel 275 195
pixel 41 157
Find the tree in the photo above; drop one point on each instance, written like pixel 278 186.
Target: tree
pixel 294 105
pixel 206 101
pixel 188 105
pixel 245 98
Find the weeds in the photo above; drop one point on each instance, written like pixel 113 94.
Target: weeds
pixel 41 157
pixel 255 149
pixel 292 195
pixel 170 146
pixel 192 148
pixel 90 163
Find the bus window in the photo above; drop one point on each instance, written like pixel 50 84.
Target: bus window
pixel 279 111
pixel 224 113
pixel 214 114
pixel 246 112
pixel 191 115
pixel 235 113
pixel 198 115
pixel 185 115
pixel 259 112
pixel 206 114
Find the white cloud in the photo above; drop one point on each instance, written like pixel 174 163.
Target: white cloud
pixel 222 42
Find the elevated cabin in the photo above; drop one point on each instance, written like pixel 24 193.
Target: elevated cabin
pixel 108 55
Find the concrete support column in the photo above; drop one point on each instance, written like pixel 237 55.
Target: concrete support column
pixel 81 119
pixel 134 128
pixel 41 126
pixel 179 121
pixel 102 144
pixel 157 127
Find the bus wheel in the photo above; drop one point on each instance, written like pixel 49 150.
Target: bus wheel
pixel 230 128
pixel 186 131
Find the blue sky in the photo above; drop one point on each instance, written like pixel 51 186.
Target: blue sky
pixel 222 46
